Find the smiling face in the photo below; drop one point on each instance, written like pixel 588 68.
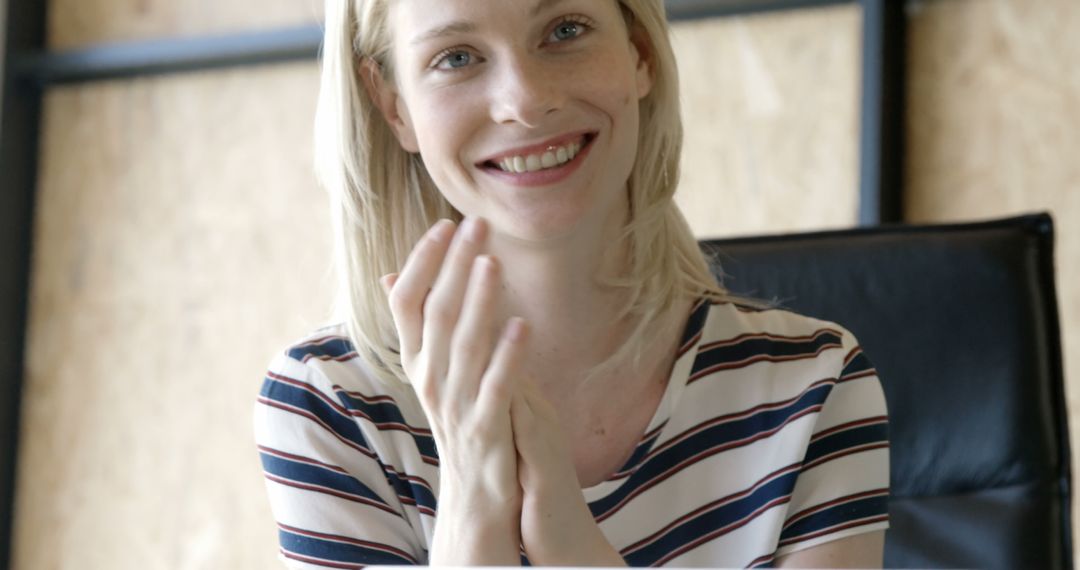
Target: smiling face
pixel 525 112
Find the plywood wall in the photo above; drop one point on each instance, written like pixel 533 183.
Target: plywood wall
pixel 994 129
pixel 770 105
pixel 179 242
pixel 78 23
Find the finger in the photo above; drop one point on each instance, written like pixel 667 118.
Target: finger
pixel 519 424
pixel 474 337
pixel 387 281
pixel 499 383
pixel 411 287
pixel 443 305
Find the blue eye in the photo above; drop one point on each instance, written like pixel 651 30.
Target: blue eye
pixel 454 59
pixel 569 28
pixel 457 58
pixel 566 31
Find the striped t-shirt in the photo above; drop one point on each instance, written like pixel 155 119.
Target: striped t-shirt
pixel 771 437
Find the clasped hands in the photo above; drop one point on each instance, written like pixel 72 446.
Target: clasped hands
pixel 506 478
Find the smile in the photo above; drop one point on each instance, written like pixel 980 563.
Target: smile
pixel 552 157
pixel 541 165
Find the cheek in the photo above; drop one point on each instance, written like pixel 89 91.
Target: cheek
pixel 439 129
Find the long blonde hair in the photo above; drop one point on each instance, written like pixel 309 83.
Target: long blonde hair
pixel 383 199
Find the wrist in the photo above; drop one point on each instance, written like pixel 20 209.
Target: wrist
pixel 463 538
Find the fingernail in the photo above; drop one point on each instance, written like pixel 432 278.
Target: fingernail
pixel 441 230
pixel 515 329
pixel 385 282
pixel 474 229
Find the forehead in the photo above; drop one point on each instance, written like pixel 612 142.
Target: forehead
pixel 415 21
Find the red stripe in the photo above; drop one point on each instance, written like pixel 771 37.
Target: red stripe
pixel 857 375
pixel 301 459
pixel 755 359
pixel 852 354
pixel 714 504
pixel 317 420
pixel 646 440
pixel 689 344
pixel 412 503
pixel 326 357
pixel 837 501
pixel 844 453
pixel 849 425
pixel 838 528
pixel 410 478
pixel 350 540
pixel 697 335
pixel 721 531
pixel 383 399
pixel 698 457
pixel 333 492
pixel 735 416
pixel 390 426
pixel 761 560
pixel 767 335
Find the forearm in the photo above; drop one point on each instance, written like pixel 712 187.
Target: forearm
pixel 559 530
pixel 476 531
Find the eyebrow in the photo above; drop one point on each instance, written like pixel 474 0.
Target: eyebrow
pixel 463 27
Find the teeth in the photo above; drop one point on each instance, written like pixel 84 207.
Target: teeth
pixel 533 162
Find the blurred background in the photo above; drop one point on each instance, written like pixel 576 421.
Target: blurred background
pixel 161 234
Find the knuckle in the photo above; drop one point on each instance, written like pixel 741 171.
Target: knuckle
pixel 469 345
pixel 401 299
pixel 498 392
pixel 439 313
pixel 428 393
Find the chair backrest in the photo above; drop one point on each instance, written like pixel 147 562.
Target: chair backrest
pixel 961 323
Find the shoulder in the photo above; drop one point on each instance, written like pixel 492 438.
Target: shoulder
pixel 778 335
pixel 328 359
pixel 318 389
pixel 321 379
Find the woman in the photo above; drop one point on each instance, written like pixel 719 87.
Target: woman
pixel 533 345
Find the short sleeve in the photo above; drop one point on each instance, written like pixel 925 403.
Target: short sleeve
pixel 329 492
pixel 843 485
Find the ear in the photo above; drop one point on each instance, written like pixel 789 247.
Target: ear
pixel 390 104
pixel 642 51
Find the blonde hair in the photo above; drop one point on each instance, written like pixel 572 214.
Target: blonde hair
pixel 383 199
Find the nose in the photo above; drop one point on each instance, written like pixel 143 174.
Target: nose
pixel 527 91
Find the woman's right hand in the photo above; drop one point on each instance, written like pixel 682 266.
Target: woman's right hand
pixel 463 365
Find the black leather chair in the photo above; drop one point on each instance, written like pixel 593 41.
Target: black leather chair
pixel 961 322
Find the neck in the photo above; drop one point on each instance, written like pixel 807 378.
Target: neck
pixel 556 287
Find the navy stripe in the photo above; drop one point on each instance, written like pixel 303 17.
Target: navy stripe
pixel 339 551
pixel 345 428
pixel 332 347
pixel 836 515
pixel 712 522
pixel 294 396
pixel 384 413
pixel 860 363
pixel 847 439
pixel 712 439
pixel 314 475
pixel 696 322
pixel 640 451
pixel 417 492
pixel 761 348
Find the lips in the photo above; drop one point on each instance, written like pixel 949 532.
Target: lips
pixel 538 149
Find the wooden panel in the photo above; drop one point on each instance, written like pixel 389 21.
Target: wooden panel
pixel 180 242
pixel 994 129
pixel 74 23
pixel 770 104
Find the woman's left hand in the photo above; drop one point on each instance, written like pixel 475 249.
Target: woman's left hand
pixel 557 528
